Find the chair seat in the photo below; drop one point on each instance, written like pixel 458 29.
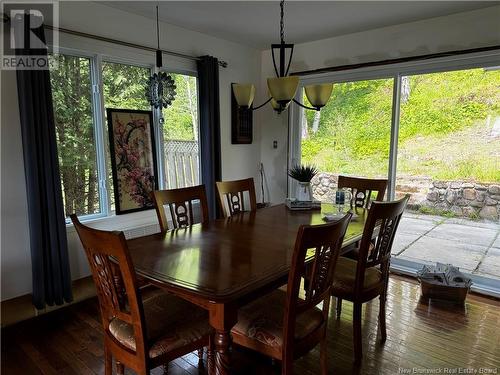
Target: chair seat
pixel 171 323
pixel 345 277
pixel 260 323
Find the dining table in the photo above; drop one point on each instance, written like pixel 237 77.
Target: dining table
pixel 223 264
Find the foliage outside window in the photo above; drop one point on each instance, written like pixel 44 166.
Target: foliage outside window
pixel 72 97
pixel 446 122
pixel 351 134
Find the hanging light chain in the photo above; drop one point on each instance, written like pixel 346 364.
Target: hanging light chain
pixel 282 25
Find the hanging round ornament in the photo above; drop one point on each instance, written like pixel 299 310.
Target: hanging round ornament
pixel 160 90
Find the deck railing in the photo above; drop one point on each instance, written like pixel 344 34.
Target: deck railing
pixel 182 164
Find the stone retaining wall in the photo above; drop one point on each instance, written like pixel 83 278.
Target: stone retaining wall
pixel 458 198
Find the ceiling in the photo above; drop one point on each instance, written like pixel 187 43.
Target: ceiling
pixel 256 23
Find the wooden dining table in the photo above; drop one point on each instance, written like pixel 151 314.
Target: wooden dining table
pixel 223 264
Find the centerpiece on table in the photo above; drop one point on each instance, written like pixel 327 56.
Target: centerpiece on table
pixel 303 174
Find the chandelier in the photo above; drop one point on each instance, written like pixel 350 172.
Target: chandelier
pixel 282 88
pixel 160 89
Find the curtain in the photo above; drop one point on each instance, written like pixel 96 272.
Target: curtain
pixel 211 171
pixel 49 249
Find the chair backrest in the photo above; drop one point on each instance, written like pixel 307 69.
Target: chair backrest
pixel 180 205
pixel 231 198
pixel 362 189
pixel 385 217
pixel 115 280
pixel 326 240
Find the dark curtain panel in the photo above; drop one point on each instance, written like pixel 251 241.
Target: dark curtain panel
pixel 211 171
pixel 49 249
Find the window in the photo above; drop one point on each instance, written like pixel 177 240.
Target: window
pixel 180 135
pixel 83 87
pixel 75 134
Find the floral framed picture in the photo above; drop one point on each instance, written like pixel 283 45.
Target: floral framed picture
pixel 133 159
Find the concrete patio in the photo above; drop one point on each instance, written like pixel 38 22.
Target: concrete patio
pixel 473 246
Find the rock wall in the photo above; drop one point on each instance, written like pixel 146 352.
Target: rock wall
pixel 457 198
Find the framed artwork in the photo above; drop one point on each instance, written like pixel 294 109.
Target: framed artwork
pixel 133 159
pixel 241 123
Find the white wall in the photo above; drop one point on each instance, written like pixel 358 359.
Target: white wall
pixel 238 161
pixel 455 32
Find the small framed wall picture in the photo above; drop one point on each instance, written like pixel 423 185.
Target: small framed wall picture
pixel 133 159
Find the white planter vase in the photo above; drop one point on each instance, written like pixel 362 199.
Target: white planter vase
pixel 303 192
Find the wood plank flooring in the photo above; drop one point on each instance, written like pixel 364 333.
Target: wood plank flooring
pixel 421 337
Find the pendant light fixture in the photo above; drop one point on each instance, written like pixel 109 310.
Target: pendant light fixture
pixel 160 90
pixel 282 88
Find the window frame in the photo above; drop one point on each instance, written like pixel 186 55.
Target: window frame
pixel 100 125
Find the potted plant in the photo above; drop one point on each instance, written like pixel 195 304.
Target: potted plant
pixel 303 174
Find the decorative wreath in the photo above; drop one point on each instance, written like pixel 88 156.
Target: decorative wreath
pixel 160 90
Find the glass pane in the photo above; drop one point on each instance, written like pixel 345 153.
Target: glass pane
pixel 350 135
pixel 123 88
pixel 180 134
pixel 449 161
pixel 72 96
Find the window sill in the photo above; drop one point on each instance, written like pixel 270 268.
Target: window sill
pixel 119 222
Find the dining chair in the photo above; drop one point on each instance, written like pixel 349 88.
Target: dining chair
pixel 362 189
pixel 180 206
pixel 143 328
pixel 366 278
pixel 282 325
pixel 231 196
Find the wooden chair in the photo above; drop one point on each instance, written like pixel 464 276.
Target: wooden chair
pixel 284 326
pixel 362 189
pixel 231 192
pixel 362 280
pixel 143 328
pixel 180 205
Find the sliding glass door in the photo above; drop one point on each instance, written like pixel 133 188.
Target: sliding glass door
pixel 431 128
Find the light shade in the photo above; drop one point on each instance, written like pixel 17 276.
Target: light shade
pixel 244 94
pixel 283 89
pixel 318 95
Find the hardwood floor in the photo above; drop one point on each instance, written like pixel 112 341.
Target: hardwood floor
pixel 422 336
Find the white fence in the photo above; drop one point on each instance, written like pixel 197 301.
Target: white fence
pixel 182 164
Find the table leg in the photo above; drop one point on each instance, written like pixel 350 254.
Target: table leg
pixel 222 346
pixel 222 319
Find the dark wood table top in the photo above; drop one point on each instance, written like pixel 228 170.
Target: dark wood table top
pixel 223 259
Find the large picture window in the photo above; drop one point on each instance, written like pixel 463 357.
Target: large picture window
pixel 83 87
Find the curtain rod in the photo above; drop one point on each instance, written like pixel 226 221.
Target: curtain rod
pixel 127 44
pixel 395 61
pixel 119 42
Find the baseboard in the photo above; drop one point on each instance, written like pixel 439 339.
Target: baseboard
pixel 21 308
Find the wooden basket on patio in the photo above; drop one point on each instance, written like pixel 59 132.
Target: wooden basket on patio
pixel 444 282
